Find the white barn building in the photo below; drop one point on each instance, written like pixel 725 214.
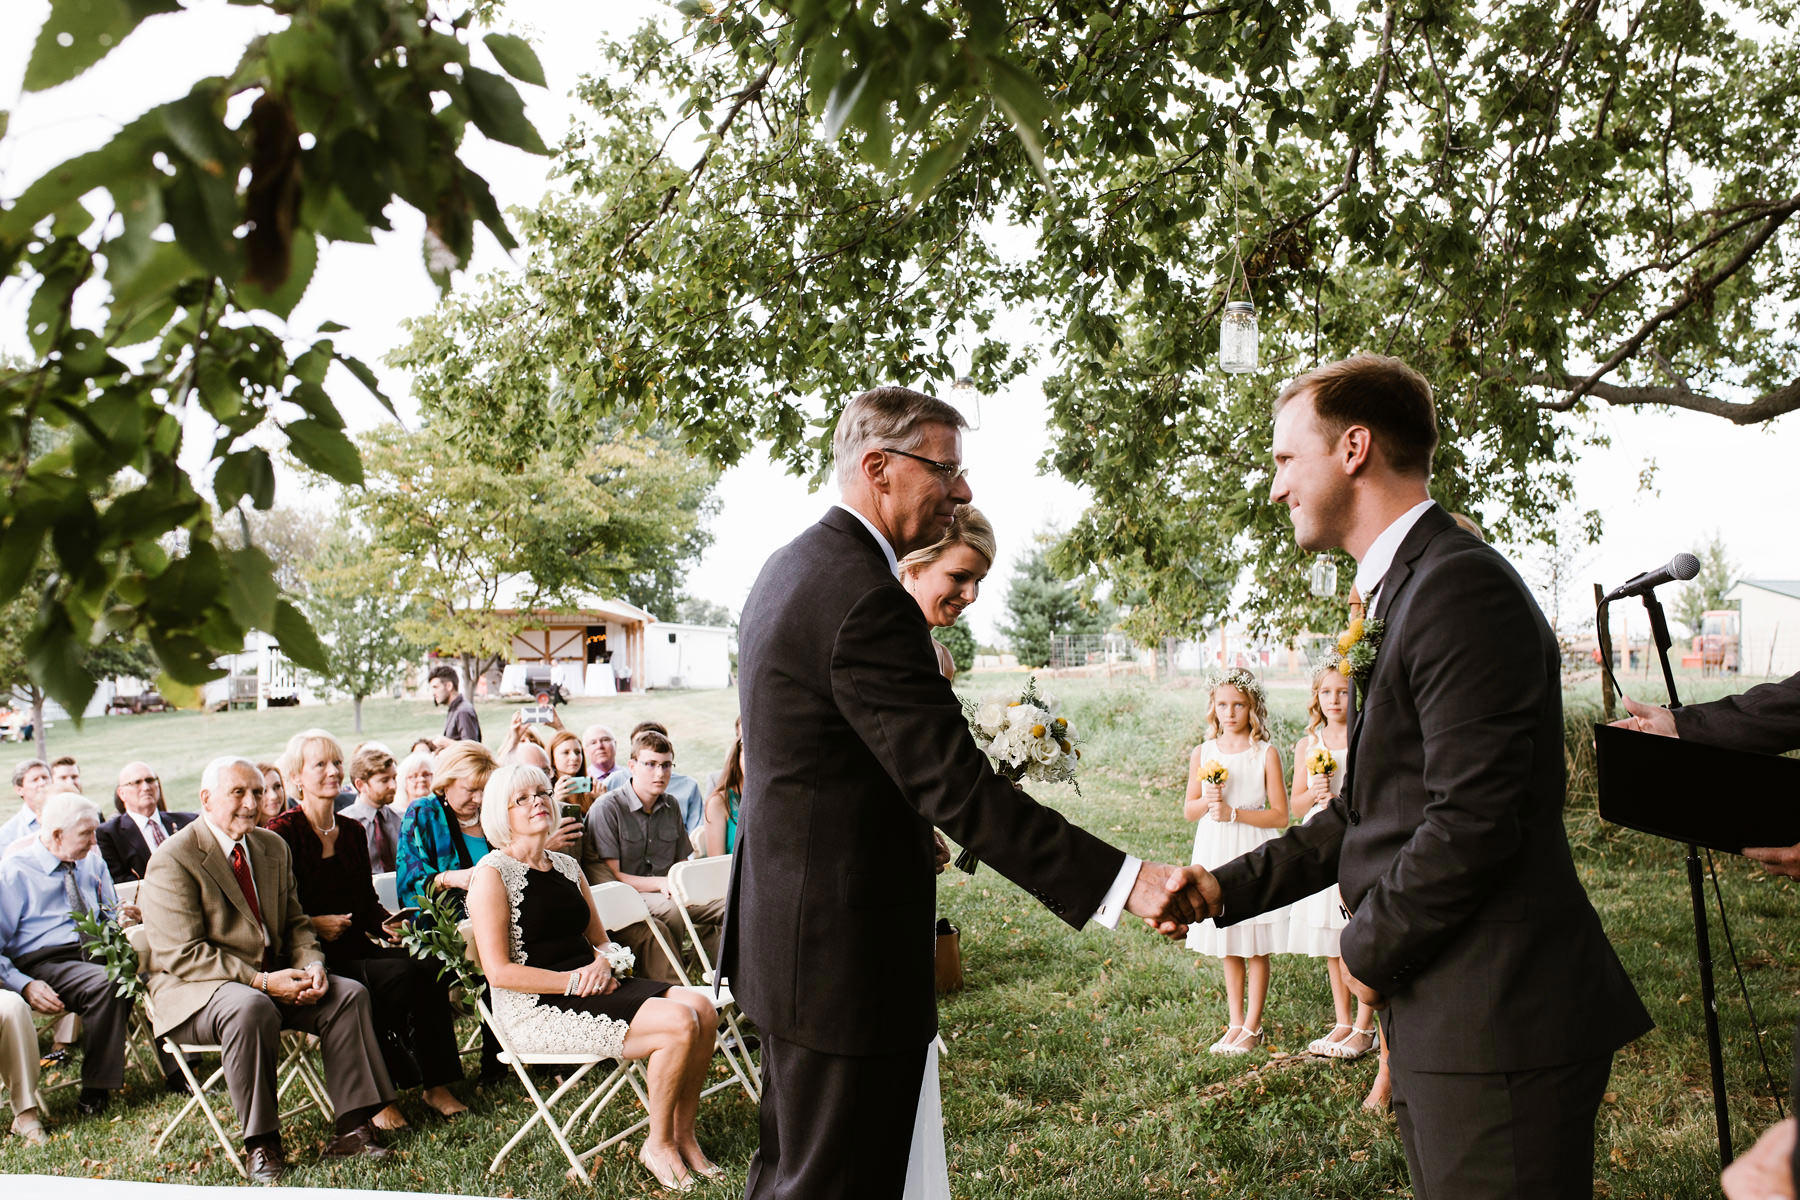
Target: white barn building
pixel 1769 626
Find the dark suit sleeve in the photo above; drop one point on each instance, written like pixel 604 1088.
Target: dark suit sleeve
pixel 1301 861
pixel 1475 663
pixel 885 681
pixel 113 854
pixel 1765 719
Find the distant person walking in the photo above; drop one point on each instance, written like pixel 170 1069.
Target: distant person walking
pixel 460 723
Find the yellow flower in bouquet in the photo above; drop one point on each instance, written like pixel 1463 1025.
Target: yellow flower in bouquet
pixel 1214 772
pixel 1350 636
pixel 1320 762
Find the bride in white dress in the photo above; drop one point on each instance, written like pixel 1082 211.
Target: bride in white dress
pixel 944 578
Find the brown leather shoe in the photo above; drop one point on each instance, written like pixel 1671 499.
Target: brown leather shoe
pixel 360 1142
pixel 267 1165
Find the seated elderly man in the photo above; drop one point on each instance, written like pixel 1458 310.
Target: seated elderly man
pixel 31 784
pixel 127 840
pixel 637 833
pixel 233 960
pixel 42 887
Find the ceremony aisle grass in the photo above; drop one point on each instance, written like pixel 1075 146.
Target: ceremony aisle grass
pixel 1077 1063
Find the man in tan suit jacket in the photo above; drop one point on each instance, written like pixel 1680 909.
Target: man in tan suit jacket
pixel 233 960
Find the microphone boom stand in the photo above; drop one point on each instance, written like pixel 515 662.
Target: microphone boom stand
pixel 1659 630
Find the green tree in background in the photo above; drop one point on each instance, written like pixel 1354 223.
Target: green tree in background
pixel 363 616
pixel 1040 604
pixel 189 238
pixel 1706 591
pixel 959 642
pixel 1546 212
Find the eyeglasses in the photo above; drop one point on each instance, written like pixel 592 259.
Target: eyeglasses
pixel 950 473
pixel 657 768
pixel 131 783
pixel 522 800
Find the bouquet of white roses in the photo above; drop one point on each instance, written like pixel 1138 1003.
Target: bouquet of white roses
pixel 1025 738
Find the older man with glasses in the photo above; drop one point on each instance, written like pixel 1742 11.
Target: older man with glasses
pixel 129 839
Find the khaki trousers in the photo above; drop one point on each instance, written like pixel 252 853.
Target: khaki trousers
pixel 709 918
pixel 19 1052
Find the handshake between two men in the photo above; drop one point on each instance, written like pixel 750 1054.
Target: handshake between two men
pixel 1170 898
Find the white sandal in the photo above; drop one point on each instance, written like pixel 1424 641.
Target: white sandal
pixel 1224 1044
pixel 1318 1045
pixel 1342 1050
pixel 1244 1045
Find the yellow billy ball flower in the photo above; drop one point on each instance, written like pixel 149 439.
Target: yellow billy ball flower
pixel 1038 731
pixel 1344 667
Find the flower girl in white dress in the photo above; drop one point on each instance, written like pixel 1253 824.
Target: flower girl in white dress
pixel 1238 796
pixel 1320 918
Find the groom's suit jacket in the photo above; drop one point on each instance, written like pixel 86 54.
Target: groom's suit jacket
pixel 854 747
pixel 1765 719
pixel 1448 841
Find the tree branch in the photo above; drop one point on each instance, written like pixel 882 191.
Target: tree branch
pixel 1766 407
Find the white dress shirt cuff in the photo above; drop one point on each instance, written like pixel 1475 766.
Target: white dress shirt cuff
pixel 1113 907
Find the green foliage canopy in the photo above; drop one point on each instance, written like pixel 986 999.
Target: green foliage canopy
pixel 1543 210
pixel 162 269
pixel 363 616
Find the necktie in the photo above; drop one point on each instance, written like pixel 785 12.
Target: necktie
pixel 240 866
pixel 156 833
pixel 72 890
pixel 383 855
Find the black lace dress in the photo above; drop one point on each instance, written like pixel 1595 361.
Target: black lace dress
pixel 549 930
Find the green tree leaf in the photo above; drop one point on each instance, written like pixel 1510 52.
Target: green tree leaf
pixel 297 639
pixel 498 111
pixel 325 449
pixel 79 33
pixel 516 57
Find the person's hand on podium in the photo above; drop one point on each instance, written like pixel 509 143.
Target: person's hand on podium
pixel 1647 718
pixel 1777 860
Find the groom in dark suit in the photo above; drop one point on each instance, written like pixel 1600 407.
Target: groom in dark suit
pixel 1504 1002
pixel 854 747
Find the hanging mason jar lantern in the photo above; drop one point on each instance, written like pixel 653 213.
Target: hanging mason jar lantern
pixel 1324 575
pixel 964 382
pixel 1237 337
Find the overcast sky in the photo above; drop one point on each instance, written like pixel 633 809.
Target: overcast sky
pixel 1710 474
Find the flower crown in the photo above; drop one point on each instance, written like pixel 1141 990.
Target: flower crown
pixel 1241 678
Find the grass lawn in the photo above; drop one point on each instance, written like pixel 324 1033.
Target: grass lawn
pixel 1077 1062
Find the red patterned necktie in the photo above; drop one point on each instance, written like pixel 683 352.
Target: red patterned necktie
pixel 240 866
pixel 156 833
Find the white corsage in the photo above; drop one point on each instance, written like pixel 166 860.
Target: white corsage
pixel 619 958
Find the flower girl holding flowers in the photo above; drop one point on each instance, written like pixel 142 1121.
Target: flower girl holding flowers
pixel 1237 795
pixel 1320 758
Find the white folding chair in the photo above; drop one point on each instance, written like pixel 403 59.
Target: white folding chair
pixel 695 879
pixel 295 1066
pixel 624 1073
pixel 387 890
pixel 128 891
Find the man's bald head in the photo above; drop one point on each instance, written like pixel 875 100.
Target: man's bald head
pixel 140 791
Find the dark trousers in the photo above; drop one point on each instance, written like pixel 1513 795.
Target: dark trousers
pixel 81 984
pixel 248 1025
pixel 1526 1134
pixel 834 1126
pixel 410 1007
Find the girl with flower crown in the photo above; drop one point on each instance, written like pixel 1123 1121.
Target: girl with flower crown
pixel 1321 757
pixel 1239 799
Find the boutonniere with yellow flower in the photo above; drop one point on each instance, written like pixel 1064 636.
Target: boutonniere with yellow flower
pixel 1357 647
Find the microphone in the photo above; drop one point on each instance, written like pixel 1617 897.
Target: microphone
pixel 1682 566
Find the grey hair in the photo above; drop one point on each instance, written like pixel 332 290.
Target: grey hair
pixel 24 768
pixel 65 810
pixel 886 416
pixel 496 800
pixel 209 778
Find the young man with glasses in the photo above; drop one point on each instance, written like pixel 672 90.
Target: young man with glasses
pixel 129 839
pixel 637 833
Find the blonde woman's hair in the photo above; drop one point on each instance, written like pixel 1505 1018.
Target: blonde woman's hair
pixel 467 763
pixel 497 797
pixel 1245 681
pixel 967 528
pixel 1315 716
pixel 294 757
pixel 886 418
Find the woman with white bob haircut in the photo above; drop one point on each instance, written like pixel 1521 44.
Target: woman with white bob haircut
pixel 544 952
